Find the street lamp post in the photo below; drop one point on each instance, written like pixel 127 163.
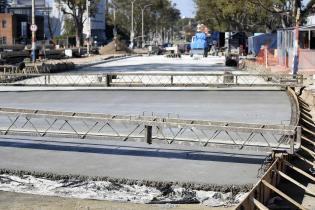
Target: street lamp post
pixel 88 35
pixel 132 33
pixel 33 33
pixel 115 26
pixel 142 13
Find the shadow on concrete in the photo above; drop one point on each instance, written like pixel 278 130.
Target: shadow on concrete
pixel 107 149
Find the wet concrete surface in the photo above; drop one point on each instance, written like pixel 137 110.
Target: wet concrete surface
pixel 140 161
pixel 161 64
pixel 272 107
pixel 131 160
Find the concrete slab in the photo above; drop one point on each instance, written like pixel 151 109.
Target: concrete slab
pixel 162 64
pixel 131 160
pixel 137 160
pixel 272 107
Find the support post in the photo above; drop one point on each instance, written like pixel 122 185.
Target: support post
pixel 148 134
pixel 108 80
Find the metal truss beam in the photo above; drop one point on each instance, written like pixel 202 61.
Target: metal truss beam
pixel 151 129
pixel 118 79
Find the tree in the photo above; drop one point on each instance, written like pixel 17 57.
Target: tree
pixel 234 15
pixel 76 9
pixel 251 15
pixel 289 11
pixel 160 18
pixel 53 23
pixel 69 28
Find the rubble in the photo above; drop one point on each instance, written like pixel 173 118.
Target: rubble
pixel 114 190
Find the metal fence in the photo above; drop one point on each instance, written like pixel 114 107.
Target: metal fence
pixel 227 79
pixel 150 129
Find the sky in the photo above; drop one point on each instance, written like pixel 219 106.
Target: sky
pixel 187 7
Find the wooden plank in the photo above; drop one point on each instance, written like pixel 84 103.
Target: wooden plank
pixel 310 152
pixel 258 204
pixel 308 121
pixel 308 131
pixel 308 140
pixel 282 194
pixel 307 117
pixel 295 182
pixel 304 159
pixel 299 170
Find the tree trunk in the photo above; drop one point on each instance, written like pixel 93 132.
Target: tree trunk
pixel 79 34
pixel 106 8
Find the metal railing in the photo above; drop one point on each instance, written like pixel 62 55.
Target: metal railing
pixel 226 79
pixel 167 130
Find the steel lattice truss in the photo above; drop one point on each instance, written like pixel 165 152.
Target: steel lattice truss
pixel 153 80
pixel 151 129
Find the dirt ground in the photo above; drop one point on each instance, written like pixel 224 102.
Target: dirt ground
pixel 18 201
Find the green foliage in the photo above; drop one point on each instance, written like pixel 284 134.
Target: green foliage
pixel 160 15
pixel 76 9
pixel 251 15
pixel 69 27
pixel 235 15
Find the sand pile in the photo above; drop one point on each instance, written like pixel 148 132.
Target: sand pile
pixel 110 48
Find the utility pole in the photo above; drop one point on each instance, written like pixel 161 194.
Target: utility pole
pixel 88 35
pixel 115 28
pixel 142 12
pixel 132 33
pixel 33 33
pixel 296 42
pixel 115 7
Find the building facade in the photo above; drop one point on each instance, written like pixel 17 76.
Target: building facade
pixel 311 20
pixel 14 29
pixel 95 28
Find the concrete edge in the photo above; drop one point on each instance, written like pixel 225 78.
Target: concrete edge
pixel 295 108
pixel 235 189
pixel 35 89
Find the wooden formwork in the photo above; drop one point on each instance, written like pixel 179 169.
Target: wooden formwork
pixel 268 186
pixel 264 189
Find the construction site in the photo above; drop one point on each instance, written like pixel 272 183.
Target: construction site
pixel 159 131
pixel 131 106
